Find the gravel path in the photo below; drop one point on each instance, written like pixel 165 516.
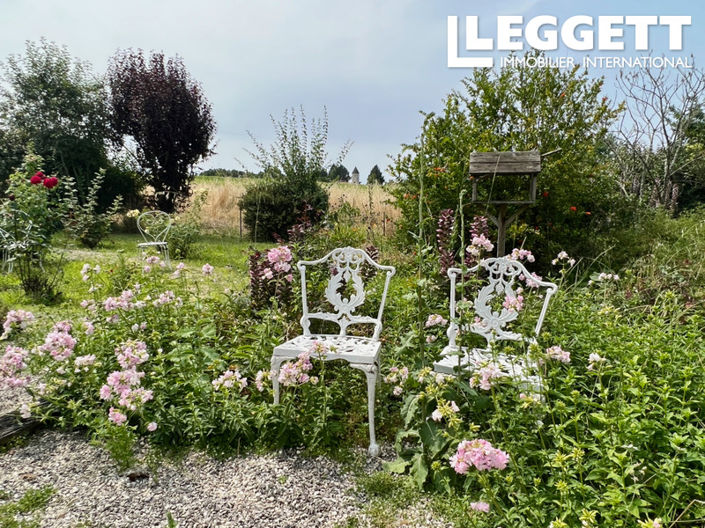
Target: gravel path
pixel 277 490
pixel 11 398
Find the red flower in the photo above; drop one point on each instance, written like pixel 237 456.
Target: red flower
pixel 545 194
pixel 50 183
pixel 573 208
pixel 37 178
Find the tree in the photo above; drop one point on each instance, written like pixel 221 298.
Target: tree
pixel 292 166
pixel 155 102
pixel 375 176
pixel 518 108
pixel 338 173
pixel 660 122
pixel 56 104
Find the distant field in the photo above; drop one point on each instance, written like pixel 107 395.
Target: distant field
pixel 222 214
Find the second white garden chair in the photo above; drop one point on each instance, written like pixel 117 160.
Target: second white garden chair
pixel 345 293
pixel 154 227
pixel 504 277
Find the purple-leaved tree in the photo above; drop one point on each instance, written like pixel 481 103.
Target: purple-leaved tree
pixel 157 104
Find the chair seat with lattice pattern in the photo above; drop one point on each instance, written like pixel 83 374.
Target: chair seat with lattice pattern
pixel 492 324
pixel 345 293
pixel 350 348
pixel 520 369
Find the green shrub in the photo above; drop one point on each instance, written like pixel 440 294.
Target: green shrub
pixel 613 441
pixel 186 229
pixel 292 166
pixel 176 346
pixel 272 207
pixel 31 214
pixel 84 221
pixel 522 108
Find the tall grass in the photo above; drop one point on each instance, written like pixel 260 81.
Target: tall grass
pixel 222 214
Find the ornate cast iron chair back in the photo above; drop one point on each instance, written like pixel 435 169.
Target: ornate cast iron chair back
pixel 504 277
pixel 154 226
pixel 345 266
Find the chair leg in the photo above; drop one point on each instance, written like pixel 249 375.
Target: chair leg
pixel 371 372
pixel 165 255
pixel 276 365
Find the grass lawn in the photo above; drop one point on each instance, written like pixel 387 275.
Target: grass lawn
pixel 227 254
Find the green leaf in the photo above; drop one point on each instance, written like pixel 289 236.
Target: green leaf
pixel 433 438
pixel 419 470
pixel 408 411
pixel 397 466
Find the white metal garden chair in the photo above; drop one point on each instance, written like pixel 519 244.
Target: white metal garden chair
pixel 503 276
pixel 154 227
pixel 362 353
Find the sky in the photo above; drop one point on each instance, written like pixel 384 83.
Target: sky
pixel 373 64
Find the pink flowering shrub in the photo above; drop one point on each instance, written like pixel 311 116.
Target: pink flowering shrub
pixel 479 454
pixel 271 276
pixel 12 367
pixel 16 320
pixel 141 352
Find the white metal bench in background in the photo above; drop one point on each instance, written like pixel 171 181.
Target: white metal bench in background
pixel 154 227
pixel 503 279
pixel 362 353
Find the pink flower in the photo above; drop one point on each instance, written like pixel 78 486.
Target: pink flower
pixel 16 319
pixel 152 426
pixel 59 344
pixel 131 354
pixel 116 416
pixel 289 277
pixel 84 361
pixel 459 464
pixel 485 377
pixel 12 362
pixel 435 319
pixel 267 274
pixel 557 353
pixel 294 373
pixel 521 254
pixel 228 380
pixel 259 379
pixel 480 507
pixel 105 392
pixel 207 269
pixel 436 415
pixel 280 257
pixel 480 454
pixel 513 304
